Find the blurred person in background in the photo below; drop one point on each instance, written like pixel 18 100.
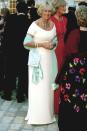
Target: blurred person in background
pixel 15 55
pixel 71 38
pixel 82 3
pixel 32 11
pixel 3 19
pixel 73 81
pixel 1 53
pixel 60 22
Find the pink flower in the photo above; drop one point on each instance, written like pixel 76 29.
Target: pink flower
pixel 77 108
pixel 83 97
pixel 68 85
pixel 76 60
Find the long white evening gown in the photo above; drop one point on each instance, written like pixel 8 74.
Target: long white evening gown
pixel 41 95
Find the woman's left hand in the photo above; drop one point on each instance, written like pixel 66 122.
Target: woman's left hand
pixel 52 46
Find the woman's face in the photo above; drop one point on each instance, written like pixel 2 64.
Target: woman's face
pixel 61 10
pixel 46 13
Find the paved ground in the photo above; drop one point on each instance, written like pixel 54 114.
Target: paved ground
pixel 12 116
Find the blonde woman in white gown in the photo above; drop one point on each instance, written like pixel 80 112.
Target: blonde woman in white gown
pixel 41 39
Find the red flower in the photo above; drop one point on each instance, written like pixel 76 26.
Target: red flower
pixel 64 78
pixel 82 71
pixel 66 97
pixel 62 90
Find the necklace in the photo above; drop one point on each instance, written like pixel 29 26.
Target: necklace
pixel 45 24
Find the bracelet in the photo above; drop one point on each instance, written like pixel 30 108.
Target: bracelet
pixel 35 44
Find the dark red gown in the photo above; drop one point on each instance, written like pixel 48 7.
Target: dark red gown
pixel 61 29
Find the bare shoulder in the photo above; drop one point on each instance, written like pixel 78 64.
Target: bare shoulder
pixel 51 24
pixel 37 21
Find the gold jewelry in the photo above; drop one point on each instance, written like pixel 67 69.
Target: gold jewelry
pixel 50 45
pixel 45 24
pixel 35 44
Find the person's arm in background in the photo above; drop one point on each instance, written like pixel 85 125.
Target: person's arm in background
pixel 72 42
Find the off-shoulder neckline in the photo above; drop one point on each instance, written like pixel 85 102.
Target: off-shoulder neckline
pixel 42 28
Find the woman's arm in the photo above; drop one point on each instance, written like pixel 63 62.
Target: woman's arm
pixel 29 43
pixel 46 45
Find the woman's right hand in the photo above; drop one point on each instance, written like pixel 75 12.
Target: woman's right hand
pixel 47 45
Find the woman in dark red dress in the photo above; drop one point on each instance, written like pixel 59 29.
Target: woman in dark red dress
pixel 73 80
pixel 60 23
pixel 71 38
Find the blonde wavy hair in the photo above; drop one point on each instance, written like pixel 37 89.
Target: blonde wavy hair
pixel 81 14
pixel 57 3
pixel 41 7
